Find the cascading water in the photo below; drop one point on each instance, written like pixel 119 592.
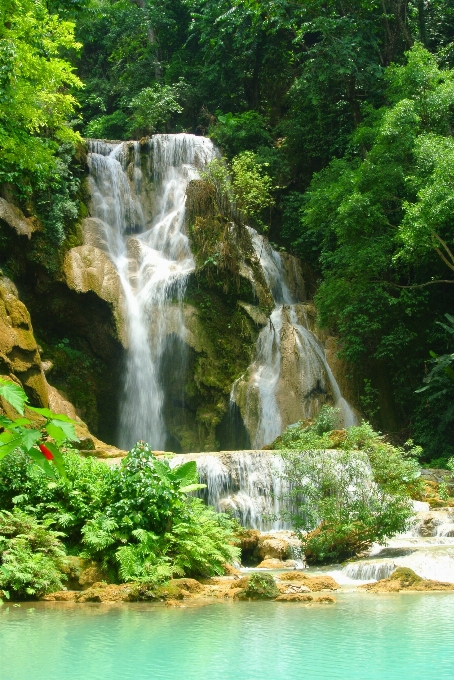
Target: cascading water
pixel 247 484
pixel 263 391
pixel 143 233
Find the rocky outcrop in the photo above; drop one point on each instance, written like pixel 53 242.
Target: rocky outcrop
pixel 255 586
pixel 406 579
pixel 89 268
pixel 15 218
pixel 20 360
pixel 313 583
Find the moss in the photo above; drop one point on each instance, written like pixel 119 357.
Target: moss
pixel 406 576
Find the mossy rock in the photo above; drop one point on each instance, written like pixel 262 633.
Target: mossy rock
pixel 406 576
pixel 258 587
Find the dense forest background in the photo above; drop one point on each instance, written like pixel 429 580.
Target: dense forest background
pixel 339 113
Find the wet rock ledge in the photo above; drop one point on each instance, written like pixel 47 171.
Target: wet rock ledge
pixel 287 587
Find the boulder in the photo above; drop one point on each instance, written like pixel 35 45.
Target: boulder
pixel 277 545
pixel 88 268
pixel 277 564
pixel 257 587
pixel 20 360
pixel 314 583
pixel 404 578
pixel 15 218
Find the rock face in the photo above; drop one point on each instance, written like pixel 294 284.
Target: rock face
pixel 19 356
pixel 404 578
pixel 88 268
pixel 16 219
pixel 20 362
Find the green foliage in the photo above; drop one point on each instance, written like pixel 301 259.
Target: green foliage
pixel 242 132
pixel 347 495
pixel 30 556
pixel 35 103
pixel 243 185
pixel 68 502
pixel 19 434
pixel 152 106
pixel 252 188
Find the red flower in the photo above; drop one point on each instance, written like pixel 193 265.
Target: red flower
pixel 45 451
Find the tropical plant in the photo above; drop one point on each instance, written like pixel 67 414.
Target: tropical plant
pixel 22 433
pixel 348 488
pixel 30 556
pixel 36 102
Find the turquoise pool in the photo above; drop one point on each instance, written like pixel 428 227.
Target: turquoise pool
pixel 362 637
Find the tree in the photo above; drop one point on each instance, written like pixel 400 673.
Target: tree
pixel 36 100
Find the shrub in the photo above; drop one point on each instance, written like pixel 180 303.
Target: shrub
pixel 342 500
pixel 68 502
pixel 30 556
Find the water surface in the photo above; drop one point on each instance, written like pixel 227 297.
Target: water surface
pixel 361 637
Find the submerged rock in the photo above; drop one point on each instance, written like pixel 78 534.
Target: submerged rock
pixel 304 597
pixel 404 578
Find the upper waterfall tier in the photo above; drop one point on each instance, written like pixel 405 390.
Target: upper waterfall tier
pixel 186 350
pixel 138 196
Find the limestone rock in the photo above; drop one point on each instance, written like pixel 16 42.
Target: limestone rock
pixel 88 268
pixel 104 592
pixel 278 545
pixel 314 583
pixel 274 563
pixel 19 356
pixel 16 219
pixel 404 578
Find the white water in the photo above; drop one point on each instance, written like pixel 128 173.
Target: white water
pixel 152 256
pixel 314 375
pixel 427 548
pixel 247 484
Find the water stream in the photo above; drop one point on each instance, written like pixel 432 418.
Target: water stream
pixel 146 241
pixel 285 338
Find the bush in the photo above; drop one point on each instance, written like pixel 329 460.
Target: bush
pixel 242 132
pixel 345 498
pixel 30 556
pixel 66 502
pixel 136 519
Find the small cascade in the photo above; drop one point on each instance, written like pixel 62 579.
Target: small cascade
pixel 427 548
pixel 290 376
pixel 138 199
pixel 247 484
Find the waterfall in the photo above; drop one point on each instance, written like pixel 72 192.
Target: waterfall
pixel 271 396
pixel 142 226
pixel 247 484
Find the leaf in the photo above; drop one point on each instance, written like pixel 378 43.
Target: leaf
pixel 64 418
pixel 14 395
pixel 61 431
pixel 9 442
pixel 162 470
pixel 30 437
pixel 186 472
pixel 192 487
pixel 58 458
pixel 43 463
pixel 20 422
pixel 47 413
